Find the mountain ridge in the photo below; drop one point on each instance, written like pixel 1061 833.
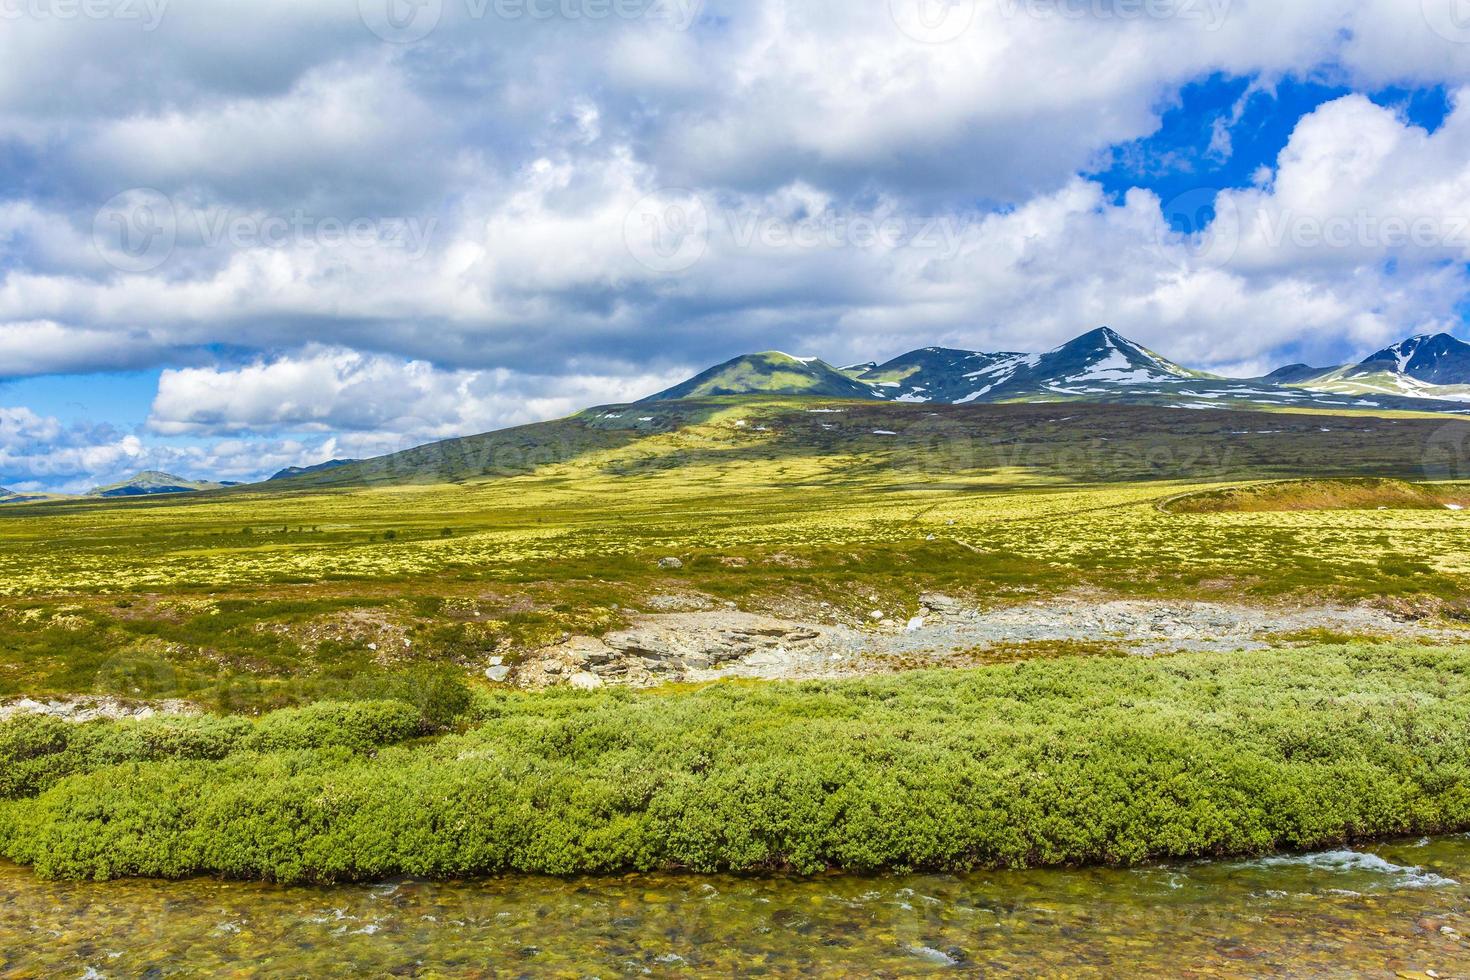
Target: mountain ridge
pixel 151 482
pixel 1099 365
pixel 1428 366
pixel 291 471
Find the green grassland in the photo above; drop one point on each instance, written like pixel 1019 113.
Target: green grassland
pixel 335 627
pixel 1057 762
pixel 440 557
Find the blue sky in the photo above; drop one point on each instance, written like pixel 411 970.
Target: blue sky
pixel 1181 154
pixel 238 238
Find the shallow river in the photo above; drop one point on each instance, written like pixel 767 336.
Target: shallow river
pixel 1377 911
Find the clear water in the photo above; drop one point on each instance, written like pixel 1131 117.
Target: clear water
pixel 1378 911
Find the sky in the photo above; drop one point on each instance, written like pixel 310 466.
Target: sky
pixel 240 236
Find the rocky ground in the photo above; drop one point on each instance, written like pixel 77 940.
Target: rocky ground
pixel 695 639
pixel 85 708
pixel 708 644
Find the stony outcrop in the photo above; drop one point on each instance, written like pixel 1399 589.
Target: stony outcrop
pixel 672 647
pixel 704 645
pixel 80 709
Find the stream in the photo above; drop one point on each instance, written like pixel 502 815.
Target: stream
pixel 1400 908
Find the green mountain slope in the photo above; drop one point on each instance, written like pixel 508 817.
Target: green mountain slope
pixel 151 482
pixel 862 440
pixel 769 373
pixel 330 464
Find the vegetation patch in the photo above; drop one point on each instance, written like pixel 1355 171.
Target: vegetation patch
pixel 1298 495
pixel 1078 760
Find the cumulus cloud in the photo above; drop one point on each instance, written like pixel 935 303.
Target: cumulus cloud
pixel 42 454
pixel 509 216
pixel 338 390
pixel 39 452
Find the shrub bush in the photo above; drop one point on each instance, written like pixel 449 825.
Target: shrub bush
pixel 38 751
pixel 355 725
pixel 1062 761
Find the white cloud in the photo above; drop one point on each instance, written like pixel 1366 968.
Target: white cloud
pixel 381 397
pixel 1357 184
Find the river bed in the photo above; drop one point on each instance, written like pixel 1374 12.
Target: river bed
pixel 1392 909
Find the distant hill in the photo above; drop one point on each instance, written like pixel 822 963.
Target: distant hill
pixel 151 482
pixel 330 464
pixel 12 497
pixel 1293 373
pixel 770 373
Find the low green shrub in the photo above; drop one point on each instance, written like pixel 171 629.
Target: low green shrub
pixel 30 752
pixel 1083 760
pixel 36 752
pixel 355 725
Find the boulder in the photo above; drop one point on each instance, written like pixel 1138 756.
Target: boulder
pixel 589 652
pixel 585 681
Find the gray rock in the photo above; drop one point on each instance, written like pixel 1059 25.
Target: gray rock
pixel 935 602
pixel 84 708
pixel 553 667
pixel 498 674
pixel 588 651
pixel 642 643
pixel 670 563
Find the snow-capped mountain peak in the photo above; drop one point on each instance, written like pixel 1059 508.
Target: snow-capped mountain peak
pixel 1436 359
pixel 1101 365
pixel 1104 355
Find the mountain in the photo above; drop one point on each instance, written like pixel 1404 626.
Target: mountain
pixel 1095 363
pixel 770 373
pixel 1435 360
pixel 934 374
pixel 1099 366
pixel 1293 373
pixel 1099 373
pixel 12 497
pixel 151 482
pixel 1436 366
pixel 1087 365
pixel 330 464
